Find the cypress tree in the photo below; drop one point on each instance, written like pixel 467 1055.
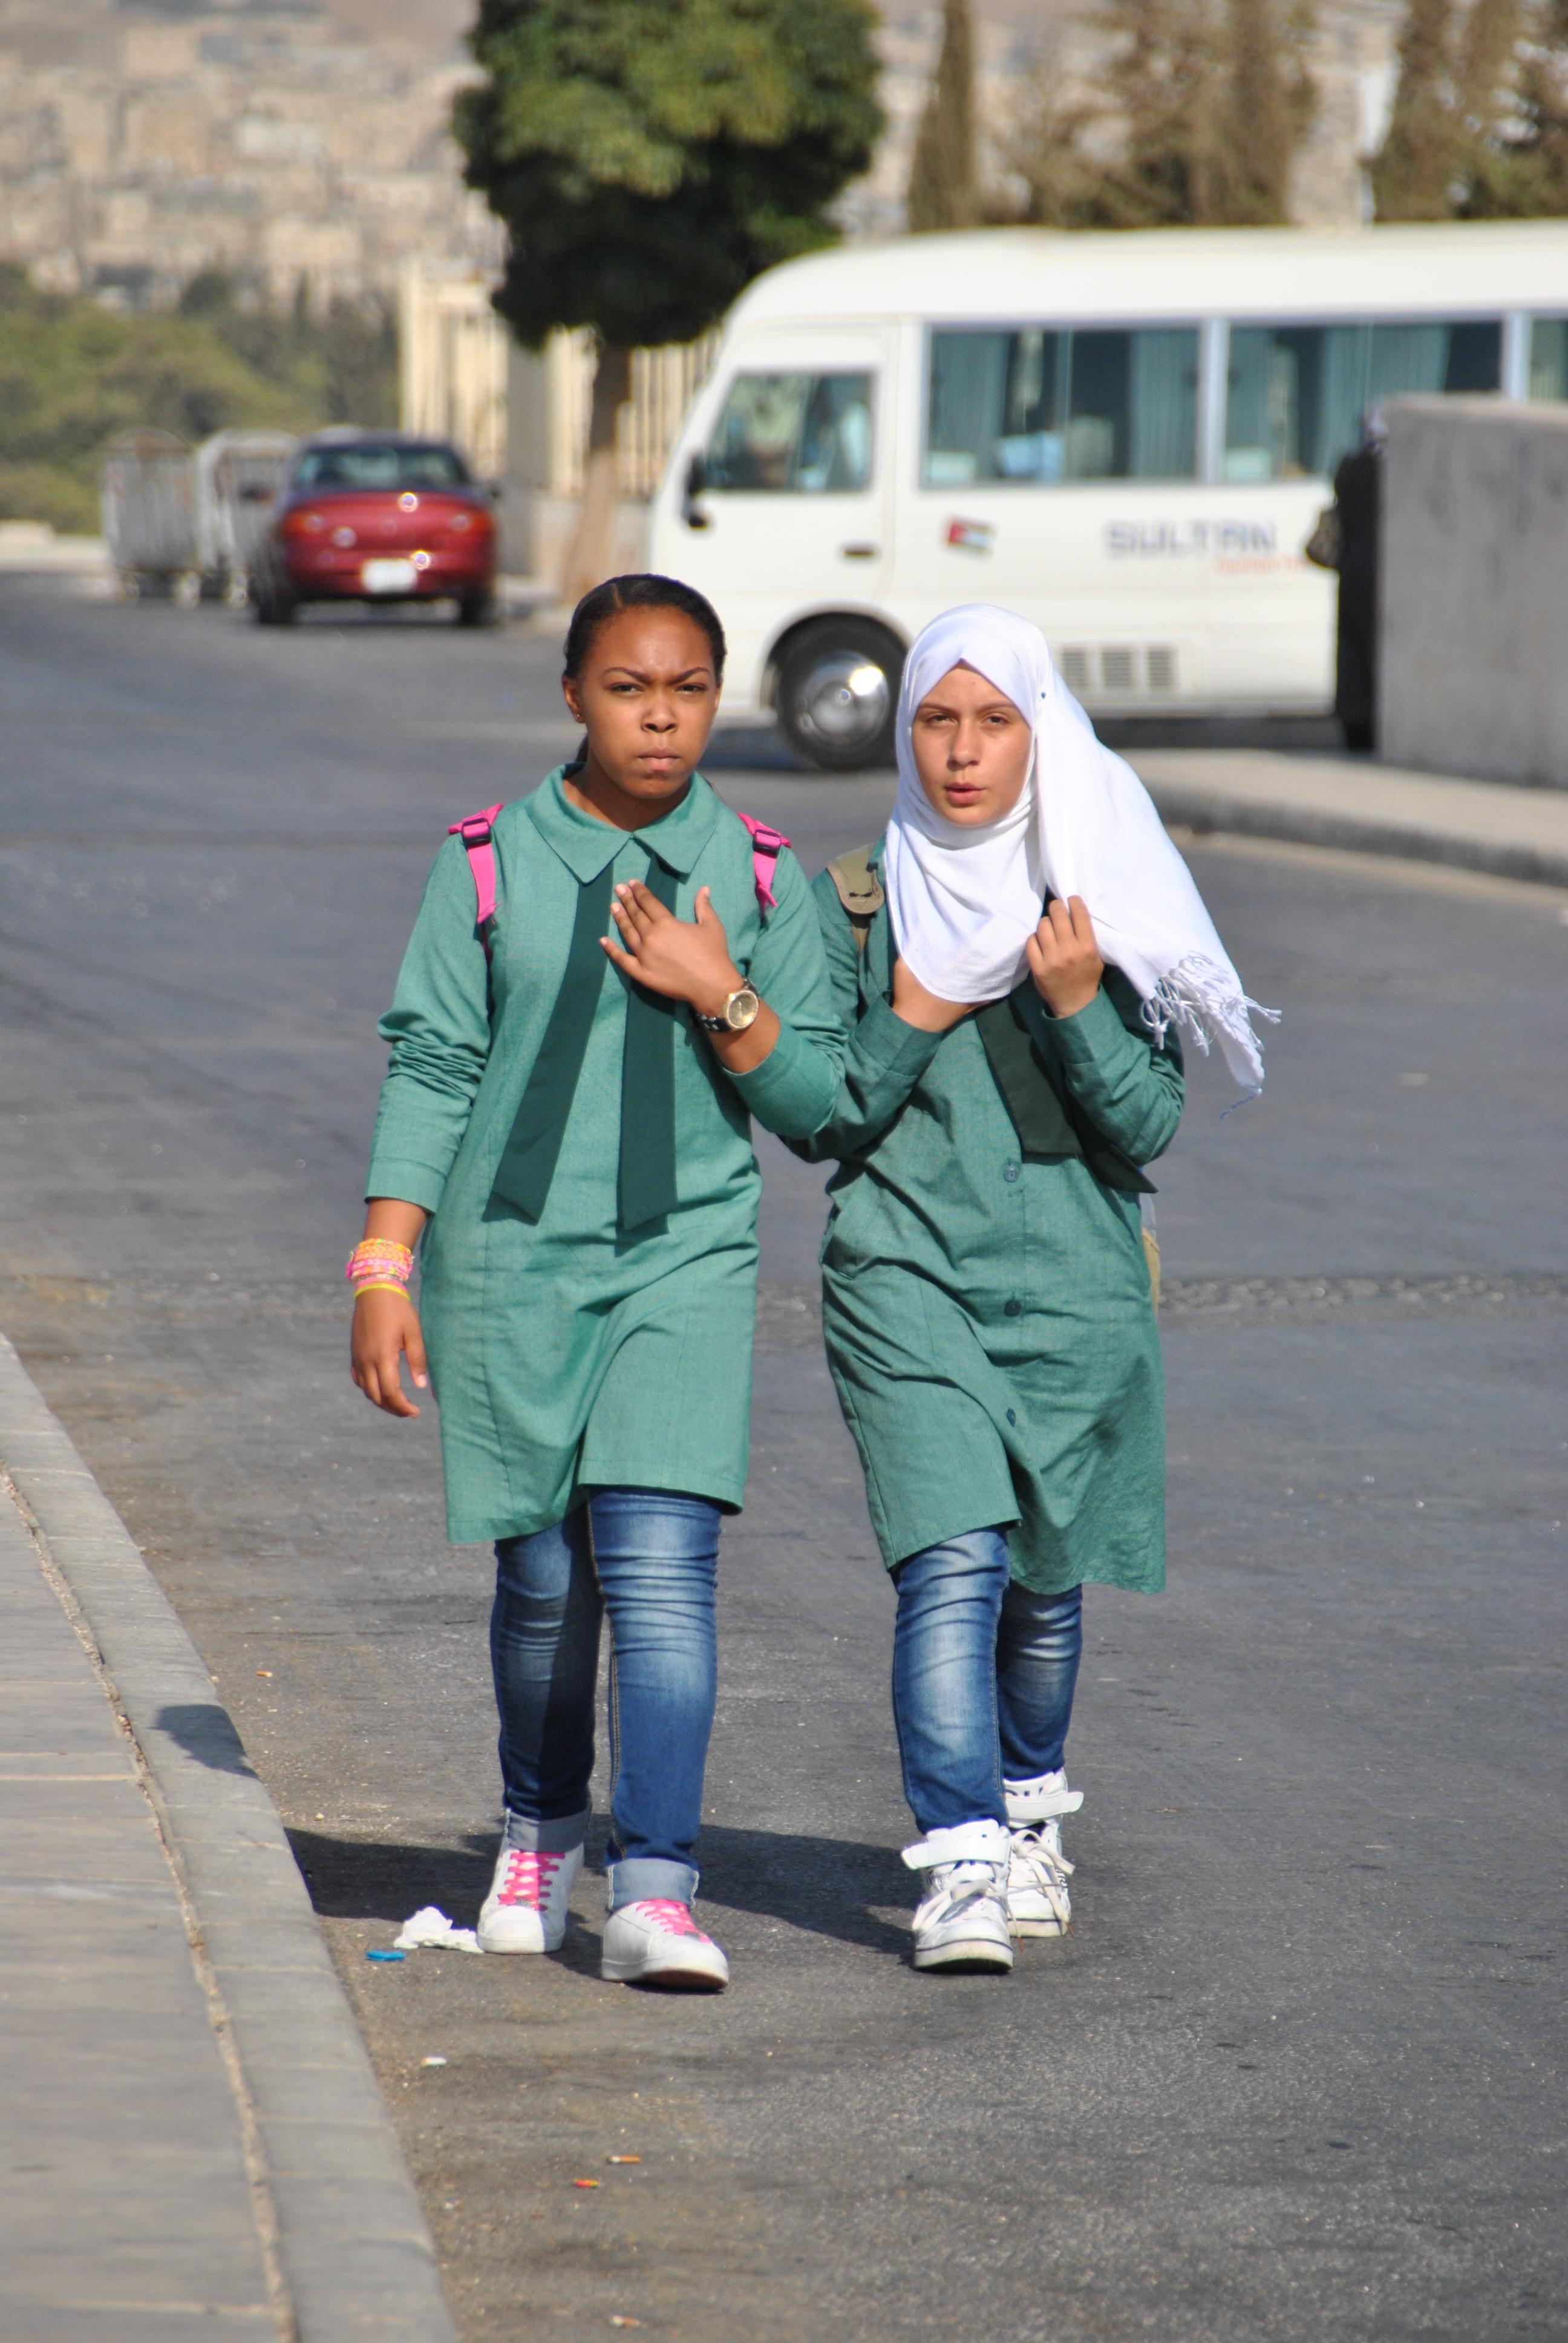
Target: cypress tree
pixel 1415 171
pixel 1519 166
pixel 1254 165
pixel 1479 123
pixel 1194 122
pixel 943 191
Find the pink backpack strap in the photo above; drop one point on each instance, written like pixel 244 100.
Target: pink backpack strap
pixel 767 845
pixel 477 837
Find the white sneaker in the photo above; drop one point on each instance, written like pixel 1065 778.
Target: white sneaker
pixel 525 1909
pixel 1037 1901
pixel 656 1941
pixel 962 1921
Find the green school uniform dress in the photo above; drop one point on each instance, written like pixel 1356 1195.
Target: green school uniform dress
pixel 574 1341
pixel 985 1291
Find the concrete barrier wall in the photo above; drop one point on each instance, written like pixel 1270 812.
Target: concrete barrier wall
pixel 1475 667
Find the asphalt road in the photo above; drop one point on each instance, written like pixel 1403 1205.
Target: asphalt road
pixel 1284 2079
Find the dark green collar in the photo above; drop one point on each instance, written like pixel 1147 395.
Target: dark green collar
pixel 587 846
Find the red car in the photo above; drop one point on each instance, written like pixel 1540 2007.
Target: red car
pixel 378 517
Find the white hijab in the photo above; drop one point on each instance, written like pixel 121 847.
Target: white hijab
pixel 962 902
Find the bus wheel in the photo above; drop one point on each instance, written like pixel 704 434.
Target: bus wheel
pixel 838 692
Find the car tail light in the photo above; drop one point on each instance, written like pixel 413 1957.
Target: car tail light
pixel 302 524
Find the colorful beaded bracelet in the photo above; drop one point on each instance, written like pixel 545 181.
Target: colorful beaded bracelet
pixel 380 1263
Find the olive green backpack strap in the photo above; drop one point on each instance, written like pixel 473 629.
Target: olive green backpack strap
pixel 860 890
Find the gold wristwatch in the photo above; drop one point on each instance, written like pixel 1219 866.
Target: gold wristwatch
pixel 740 1010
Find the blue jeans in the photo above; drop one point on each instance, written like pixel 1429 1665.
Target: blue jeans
pixel 651 1558
pixel 983 1678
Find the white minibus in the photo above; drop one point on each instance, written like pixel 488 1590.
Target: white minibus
pixel 1126 438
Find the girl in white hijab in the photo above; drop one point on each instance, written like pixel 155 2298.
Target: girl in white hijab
pixel 965 901
pixel 1011 1066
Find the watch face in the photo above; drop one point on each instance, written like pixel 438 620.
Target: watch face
pixel 741 1009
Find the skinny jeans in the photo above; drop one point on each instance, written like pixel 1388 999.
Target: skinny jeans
pixel 983 1679
pixel 649 1558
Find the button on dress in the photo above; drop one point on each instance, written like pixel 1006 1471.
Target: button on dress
pixel 987 1320
pixel 567 1353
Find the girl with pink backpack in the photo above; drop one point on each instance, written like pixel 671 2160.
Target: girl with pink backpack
pixel 606 979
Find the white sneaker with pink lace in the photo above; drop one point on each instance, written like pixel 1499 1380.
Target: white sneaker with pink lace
pixel 525 1909
pixel 657 1942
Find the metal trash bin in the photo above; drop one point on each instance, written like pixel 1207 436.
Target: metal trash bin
pixel 238 477
pixel 147 491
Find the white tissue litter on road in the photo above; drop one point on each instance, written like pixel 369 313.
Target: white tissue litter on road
pixel 431 1926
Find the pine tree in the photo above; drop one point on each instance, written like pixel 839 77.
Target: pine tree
pixel 943 192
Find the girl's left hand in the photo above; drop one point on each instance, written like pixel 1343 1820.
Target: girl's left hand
pixel 685 960
pixel 1064 958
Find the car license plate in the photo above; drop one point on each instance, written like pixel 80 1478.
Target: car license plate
pixel 387 577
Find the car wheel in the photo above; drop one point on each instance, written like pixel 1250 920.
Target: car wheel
pixel 273 608
pixel 475 610
pixel 837 694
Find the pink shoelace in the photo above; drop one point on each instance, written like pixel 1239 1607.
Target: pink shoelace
pixel 666 1913
pixel 529 1877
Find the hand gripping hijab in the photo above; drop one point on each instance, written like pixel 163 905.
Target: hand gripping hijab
pixel 962 902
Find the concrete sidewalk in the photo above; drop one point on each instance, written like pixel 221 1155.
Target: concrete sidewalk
pixel 1371 808
pixel 129 2211
pixel 198 2147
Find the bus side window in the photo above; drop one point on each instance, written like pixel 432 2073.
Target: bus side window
pixel 1297 395
pixel 793 435
pixel 1549 357
pixel 1039 406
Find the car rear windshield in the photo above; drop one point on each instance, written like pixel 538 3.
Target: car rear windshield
pixel 372 464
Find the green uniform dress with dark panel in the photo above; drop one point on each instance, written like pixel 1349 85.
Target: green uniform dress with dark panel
pixel 588 1274
pixel 985 1290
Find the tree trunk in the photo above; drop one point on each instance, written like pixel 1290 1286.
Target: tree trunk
pixel 591 559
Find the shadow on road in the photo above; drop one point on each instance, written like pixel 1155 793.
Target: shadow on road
pixel 205 1730
pixel 828 1887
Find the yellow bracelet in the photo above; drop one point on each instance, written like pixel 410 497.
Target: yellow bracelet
pixel 380 1287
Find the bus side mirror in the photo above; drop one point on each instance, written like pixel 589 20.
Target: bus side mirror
pixel 691 512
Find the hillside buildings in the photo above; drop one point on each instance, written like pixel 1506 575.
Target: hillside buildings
pixel 279 143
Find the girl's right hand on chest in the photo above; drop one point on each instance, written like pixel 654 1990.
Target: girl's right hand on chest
pixel 913 1005
pixel 386 1331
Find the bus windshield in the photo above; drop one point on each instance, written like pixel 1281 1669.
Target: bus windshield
pixel 793 435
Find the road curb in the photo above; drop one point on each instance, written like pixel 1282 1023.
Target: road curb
pixel 358 2259
pixel 1206 809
